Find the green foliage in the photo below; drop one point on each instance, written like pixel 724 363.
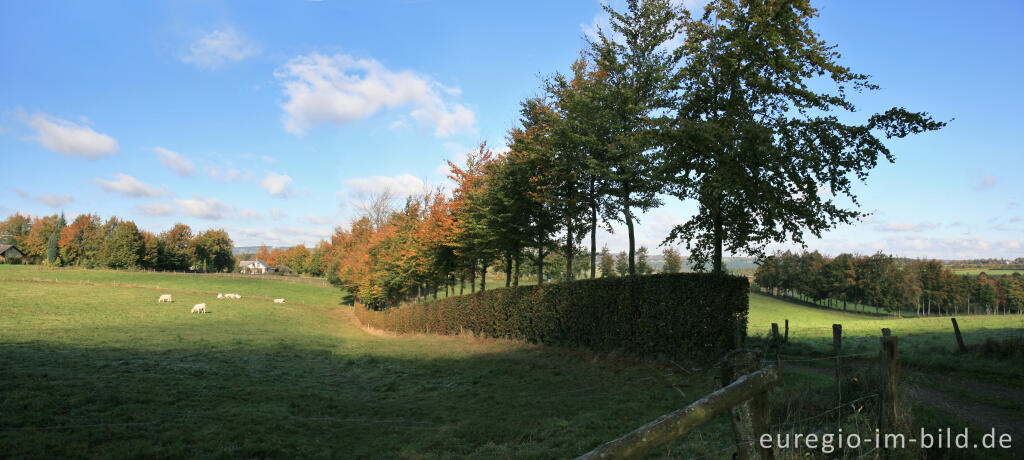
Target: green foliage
pixel 673 261
pixel 122 247
pixel 621 264
pixel 691 316
pixel 607 262
pixel 213 251
pixel 52 249
pixel 755 142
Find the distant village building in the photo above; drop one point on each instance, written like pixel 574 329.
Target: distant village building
pixel 10 253
pixel 255 266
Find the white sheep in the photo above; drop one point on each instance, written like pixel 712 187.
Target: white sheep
pixel 236 296
pixel 165 298
pixel 220 296
pixel 278 300
pixel 199 308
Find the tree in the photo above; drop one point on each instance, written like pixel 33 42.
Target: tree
pixel 178 241
pixel 642 267
pixel 622 267
pixel 214 251
pixel 36 242
pixel 15 229
pixel 122 247
pixel 673 261
pixel 755 143
pixel 52 248
pixel 639 75
pixel 607 263
pixel 81 242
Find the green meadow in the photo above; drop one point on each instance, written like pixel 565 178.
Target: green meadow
pixel 92 366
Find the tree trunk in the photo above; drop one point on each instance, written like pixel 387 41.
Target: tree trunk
pixel 540 266
pixel 570 249
pixel 632 239
pixel 483 276
pixel 472 278
pixel 462 284
pixel 508 270
pixel 515 279
pixel 593 237
pixel 718 236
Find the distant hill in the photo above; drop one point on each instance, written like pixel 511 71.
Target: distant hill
pixel 239 250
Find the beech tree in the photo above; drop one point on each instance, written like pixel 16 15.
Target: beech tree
pixel 639 76
pixel 761 149
pixel 673 261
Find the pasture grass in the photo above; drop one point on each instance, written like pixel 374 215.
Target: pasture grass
pixel 106 371
pixel 206 283
pixel 103 370
pixel 927 343
pixel 987 271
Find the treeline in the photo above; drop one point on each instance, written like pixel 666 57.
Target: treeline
pixel 297 259
pixel 90 242
pixel 716 108
pixel 925 286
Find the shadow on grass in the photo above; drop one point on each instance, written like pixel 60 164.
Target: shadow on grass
pixel 286 401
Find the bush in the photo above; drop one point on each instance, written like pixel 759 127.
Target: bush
pixel 678 315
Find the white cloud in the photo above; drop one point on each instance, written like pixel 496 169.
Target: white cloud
pixel 250 214
pixel 283 236
pixel 905 227
pixel 984 181
pixel 155 209
pixel 402 185
pixel 276 184
pixel 277 214
pixel 52 200
pixel 175 161
pixel 128 185
pixel 227 174
pixel 219 47
pixel 340 89
pixel 205 208
pixel 318 220
pixel 268 159
pixel 70 139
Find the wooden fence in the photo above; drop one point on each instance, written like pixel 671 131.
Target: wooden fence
pixel 746 398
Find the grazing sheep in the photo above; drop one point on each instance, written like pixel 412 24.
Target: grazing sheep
pixel 199 308
pixel 236 296
pixel 278 300
pixel 220 296
pixel 165 298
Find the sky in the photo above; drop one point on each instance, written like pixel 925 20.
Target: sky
pixel 272 120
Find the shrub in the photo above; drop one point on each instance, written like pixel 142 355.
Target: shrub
pixel 678 315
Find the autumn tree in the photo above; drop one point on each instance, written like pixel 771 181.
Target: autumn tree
pixel 15 229
pixel 757 144
pixel 673 261
pixel 81 242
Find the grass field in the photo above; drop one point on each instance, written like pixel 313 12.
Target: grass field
pixel 987 271
pixel 924 342
pixel 93 369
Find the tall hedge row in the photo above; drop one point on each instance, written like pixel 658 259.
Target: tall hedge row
pixel 684 315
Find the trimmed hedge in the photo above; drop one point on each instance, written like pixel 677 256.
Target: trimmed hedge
pixel 682 315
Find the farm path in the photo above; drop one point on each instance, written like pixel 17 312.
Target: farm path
pixel 981 415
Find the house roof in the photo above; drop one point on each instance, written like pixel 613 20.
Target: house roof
pixel 246 263
pixel 5 247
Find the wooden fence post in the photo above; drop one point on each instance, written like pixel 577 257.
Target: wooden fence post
pixel 888 410
pixel 837 345
pixel 751 418
pixel 775 342
pixel 959 338
pixel 786 339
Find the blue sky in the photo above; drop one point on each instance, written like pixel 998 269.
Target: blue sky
pixel 270 119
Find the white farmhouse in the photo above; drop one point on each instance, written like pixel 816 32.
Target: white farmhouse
pixel 255 266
